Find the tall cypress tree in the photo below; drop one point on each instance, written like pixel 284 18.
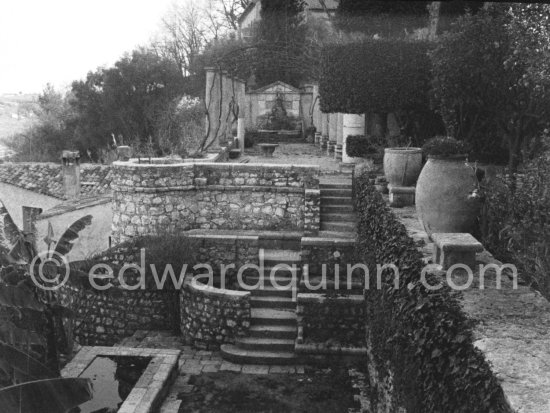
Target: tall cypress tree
pixel 281 42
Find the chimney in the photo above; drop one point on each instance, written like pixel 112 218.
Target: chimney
pixel 71 174
pixel 29 217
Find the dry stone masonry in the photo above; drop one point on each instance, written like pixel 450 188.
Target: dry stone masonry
pixel 153 198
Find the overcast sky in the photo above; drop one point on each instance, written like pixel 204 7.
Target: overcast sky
pixel 58 41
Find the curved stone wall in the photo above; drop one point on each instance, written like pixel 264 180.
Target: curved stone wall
pixel 149 199
pixel 212 316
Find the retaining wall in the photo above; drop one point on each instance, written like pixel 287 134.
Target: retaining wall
pixel 211 316
pixel 151 199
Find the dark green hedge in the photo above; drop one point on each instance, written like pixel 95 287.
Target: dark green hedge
pixel 375 76
pixel 422 336
pixel 359 146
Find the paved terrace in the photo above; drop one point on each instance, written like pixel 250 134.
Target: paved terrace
pixel 295 154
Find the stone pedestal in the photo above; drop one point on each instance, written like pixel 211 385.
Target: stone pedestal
pixel 455 248
pixel 401 196
pixel 338 152
pixel 318 137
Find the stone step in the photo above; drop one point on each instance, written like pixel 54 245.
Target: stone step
pixel 270 291
pixel 335 200
pixel 260 331
pixel 280 243
pixel 272 302
pixel 343 192
pixel 235 354
pixel 274 257
pixel 338 217
pixel 283 270
pixel 338 226
pixel 268 316
pixel 335 185
pixel 277 281
pixel 336 209
pixel 265 344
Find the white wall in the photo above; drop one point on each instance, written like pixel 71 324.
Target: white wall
pixel 92 239
pixel 14 198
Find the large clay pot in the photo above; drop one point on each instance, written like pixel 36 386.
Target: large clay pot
pixel 442 201
pixel 402 165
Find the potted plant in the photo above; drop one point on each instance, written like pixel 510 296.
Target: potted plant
pixel 402 165
pixel 444 200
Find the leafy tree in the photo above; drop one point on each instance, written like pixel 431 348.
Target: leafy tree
pixel 281 42
pixel 127 100
pixel 490 78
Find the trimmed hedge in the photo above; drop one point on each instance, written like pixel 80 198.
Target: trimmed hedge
pixel 420 336
pixel 375 76
pixel 359 146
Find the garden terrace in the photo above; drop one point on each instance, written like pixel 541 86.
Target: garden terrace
pixel 413 363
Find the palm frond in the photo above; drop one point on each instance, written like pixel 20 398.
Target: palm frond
pixel 65 243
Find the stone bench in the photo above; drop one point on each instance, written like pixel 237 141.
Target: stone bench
pixel 401 196
pixel 455 248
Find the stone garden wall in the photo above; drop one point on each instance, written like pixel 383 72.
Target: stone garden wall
pixel 211 316
pixel 106 317
pixel 155 198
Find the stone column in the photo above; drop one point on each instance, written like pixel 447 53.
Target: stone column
pixel 339 137
pixel 324 130
pixel 352 125
pixel 332 133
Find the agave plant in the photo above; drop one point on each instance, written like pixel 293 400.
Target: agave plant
pixel 31 321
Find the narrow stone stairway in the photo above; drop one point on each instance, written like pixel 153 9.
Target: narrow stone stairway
pixel 273 326
pixel 337 207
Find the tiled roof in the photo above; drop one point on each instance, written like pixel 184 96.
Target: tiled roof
pixel 47 178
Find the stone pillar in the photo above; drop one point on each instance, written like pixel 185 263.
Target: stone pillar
pixel 352 125
pixel 339 137
pixel 29 218
pixel 332 133
pixel 71 174
pixel 240 133
pixel 324 130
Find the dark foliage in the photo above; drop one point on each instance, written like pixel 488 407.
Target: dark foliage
pixel 280 53
pixel 490 79
pixel 514 222
pixel 381 76
pixel 360 146
pixel 444 146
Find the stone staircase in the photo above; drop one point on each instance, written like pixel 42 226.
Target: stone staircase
pixel 273 327
pixel 337 207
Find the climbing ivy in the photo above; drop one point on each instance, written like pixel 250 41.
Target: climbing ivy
pixel 421 336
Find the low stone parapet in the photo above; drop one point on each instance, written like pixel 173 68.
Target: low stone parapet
pixel 213 316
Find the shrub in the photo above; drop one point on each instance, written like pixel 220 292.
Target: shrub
pixel 421 336
pixel 490 79
pixel 444 146
pixel 359 146
pixel 250 138
pixel 514 222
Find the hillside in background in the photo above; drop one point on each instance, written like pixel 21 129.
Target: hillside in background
pixel 17 112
